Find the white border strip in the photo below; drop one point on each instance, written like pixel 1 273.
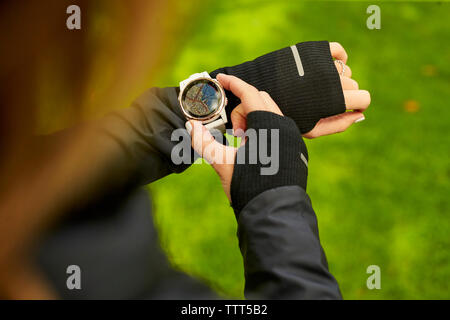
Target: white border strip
pixel 302 156
pixel 298 61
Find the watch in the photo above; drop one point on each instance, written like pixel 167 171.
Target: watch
pixel 203 98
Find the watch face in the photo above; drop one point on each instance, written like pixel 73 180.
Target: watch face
pixel 201 98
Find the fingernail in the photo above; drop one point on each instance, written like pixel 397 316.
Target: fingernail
pixel 360 119
pixel 188 126
pixel 238 133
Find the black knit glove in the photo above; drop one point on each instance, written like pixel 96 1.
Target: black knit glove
pixel 247 181
pixel 306 99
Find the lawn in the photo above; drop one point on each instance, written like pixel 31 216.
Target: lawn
pixel 380 190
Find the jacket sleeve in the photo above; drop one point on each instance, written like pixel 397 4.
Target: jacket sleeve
pixel 133 145
pixel 279 241
pixel 277 227
pixel 144 133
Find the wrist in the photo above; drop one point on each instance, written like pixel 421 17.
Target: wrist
pixel 270 137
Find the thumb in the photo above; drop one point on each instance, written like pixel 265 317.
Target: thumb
pixel 207 147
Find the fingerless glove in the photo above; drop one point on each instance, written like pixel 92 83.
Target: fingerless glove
pixel 306 98
pixel 248 181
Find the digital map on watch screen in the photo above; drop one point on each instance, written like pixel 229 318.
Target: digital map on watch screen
pixel 201 98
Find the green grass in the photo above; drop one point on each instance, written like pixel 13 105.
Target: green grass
pixel 380 190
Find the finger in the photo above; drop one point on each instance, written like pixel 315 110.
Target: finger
pixel 347 71
pixel 240 88
pixel 238 120
pixel 338 51
pixel 270 104
pixel 207 147
pixel 335 124
pixel 348 83
pixel 357 99
pixel 341 122
pixel 201 137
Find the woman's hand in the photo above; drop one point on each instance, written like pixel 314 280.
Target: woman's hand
pixel 222 157
pixel 355 99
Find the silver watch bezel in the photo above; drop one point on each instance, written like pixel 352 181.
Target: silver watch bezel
pixel 211 117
